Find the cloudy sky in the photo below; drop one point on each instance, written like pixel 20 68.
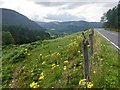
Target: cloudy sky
pixel 62 10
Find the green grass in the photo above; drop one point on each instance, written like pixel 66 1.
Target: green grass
pixel 22 64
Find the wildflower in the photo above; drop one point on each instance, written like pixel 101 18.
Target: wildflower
pixel 58 54
pixel 41 76
pixel 73 44
pixel 89 85
pixel 28 54
pixel 34 85
pixel 26 49
pixel 81 55
pixel 43 62
pixel 40 54
pixel 82 82
pixel 65 62
pixel 54 65
pixel 94 72
pixel 88 46
pixel 65 68
pixel 78 51
pixel 57 65
pixel 101 59
pixel 81 63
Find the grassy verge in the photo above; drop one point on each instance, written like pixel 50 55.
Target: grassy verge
pixel 105 66
pixel 59 63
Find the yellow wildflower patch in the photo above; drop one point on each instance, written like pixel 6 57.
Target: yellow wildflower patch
pixel 94 72
pixel 26 49
pixel 41 76
pixel 65 62
pixel 54 66
pixel 43 62
pixel 82 82
pixel 89 85
pixel 34 85
pixel 65 68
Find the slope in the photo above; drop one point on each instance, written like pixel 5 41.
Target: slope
pixel 11 17
pixel 58 63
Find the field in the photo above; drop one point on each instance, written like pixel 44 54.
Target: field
pixel 58 63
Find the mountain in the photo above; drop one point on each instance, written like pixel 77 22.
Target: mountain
pixel 19 29
pixel 11 17
pixel 69 26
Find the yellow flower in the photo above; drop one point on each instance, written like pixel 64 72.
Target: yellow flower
pixel 89 85
pixel 82 82
pixel 88 46
pixel 26 49
pixel 78 51
pixel 34 85
pixel 28 54
pixel 65 68
pixel 65 62
pixel 41 76
pixel 40 54
pixel 101 59
pixel 58 54
pixel 81 63
pixel 94 72
pixel 57 65
pixel 43 62
pixel 54 65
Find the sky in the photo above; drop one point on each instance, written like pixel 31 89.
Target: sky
pixel 60 10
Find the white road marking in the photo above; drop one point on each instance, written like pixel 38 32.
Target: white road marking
pixel 109 41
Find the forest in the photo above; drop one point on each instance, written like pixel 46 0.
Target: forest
pixel 21 35
pixel 111 18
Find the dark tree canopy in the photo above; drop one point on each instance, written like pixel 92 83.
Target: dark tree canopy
pixel 111 18
pixel 21 35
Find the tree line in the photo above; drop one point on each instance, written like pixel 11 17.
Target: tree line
pixel 21 35
pixel 111 18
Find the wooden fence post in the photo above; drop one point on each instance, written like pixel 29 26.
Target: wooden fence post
pixel 91 45
pixel 86 60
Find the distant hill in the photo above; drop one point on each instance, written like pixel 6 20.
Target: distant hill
pixel 69 27
pixel 11 17
pixel 20 29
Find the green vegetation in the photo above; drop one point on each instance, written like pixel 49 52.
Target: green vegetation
pixel 21 35
pixel 111 18
pixel 59 63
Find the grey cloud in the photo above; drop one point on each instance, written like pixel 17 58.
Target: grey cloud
pixel 110 4
pixel 50 4
pixel 1 2
pixel 62 5
pixel 63 17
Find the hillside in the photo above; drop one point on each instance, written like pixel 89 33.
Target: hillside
pixel 69 26
pixel 11 17
pixel 18 29
pixel 58 63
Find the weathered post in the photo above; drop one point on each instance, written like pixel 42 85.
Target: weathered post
pixel 86 61
pixel 91 45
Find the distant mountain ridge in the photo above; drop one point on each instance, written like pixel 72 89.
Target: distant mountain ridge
pixel 18 29
pixel 11 17
pixel 69 26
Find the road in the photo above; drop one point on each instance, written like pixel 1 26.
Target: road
pixel 110 36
